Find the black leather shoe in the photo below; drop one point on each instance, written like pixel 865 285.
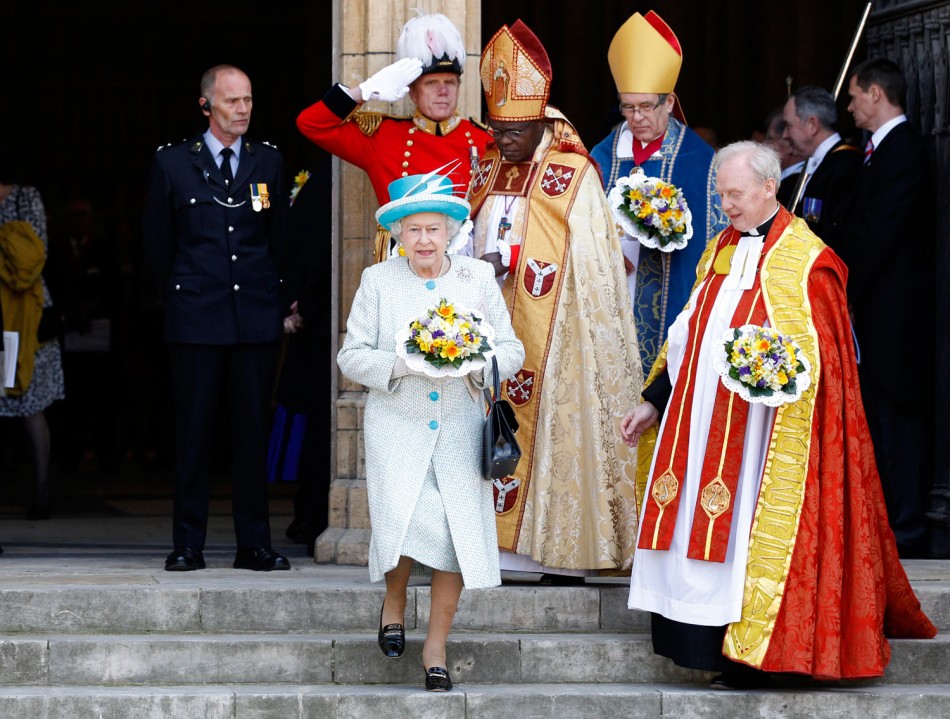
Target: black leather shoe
pixel 391 638
pixel 741 680
pixel 184 560
pixel 438 679
pixel 561 580
pixel 263 559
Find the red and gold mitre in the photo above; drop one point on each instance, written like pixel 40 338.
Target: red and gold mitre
pixel 645 56
pixel 516 74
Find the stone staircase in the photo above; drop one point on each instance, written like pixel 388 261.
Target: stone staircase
pixel 119 637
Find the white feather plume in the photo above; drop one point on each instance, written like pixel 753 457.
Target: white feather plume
pixel 429 36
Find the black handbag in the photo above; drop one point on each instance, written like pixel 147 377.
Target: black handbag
pixel 500 450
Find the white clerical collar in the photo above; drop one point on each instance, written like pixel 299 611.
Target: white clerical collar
pixel 625 143
pixel 763 227
pixel 882 131
pixel 819 154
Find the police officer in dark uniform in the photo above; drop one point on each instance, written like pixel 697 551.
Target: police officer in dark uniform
pixel 213 224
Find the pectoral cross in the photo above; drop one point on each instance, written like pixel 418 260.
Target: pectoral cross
pixel 503 228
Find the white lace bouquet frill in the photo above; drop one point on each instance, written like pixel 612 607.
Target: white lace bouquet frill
pixel 651 211
pixel 445 341
pixel 762 365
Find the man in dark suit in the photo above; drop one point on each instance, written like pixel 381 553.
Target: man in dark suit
pixel 889 249
pixel 213 223
pixel 810 117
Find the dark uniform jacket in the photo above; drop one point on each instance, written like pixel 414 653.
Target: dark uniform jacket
pixel 832 185
pixel 216 257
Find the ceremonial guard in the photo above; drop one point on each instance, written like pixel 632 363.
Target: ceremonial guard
pixel 542 220
pixel 430 55
pixel 645 59
pixel 213 224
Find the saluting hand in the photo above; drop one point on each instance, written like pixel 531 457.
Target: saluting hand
pixel 392 82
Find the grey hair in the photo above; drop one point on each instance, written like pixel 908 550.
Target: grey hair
pixel 812 101
pixel 211 75
pixel 761 159
pixel 452 227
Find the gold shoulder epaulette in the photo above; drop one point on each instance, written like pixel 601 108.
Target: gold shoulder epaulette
pixel 478 123
pixel 369 122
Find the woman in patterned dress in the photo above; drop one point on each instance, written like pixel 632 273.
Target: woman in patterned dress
pixel 18 202
pixel 428 503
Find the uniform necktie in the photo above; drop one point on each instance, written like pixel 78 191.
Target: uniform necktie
pixel 868 149
pixel 226 166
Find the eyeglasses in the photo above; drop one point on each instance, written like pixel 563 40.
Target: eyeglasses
pixel 644 108
pixel 513 134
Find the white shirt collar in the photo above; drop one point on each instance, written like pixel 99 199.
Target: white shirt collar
pixel 215 146
pixel 792 170
pixel 882 131
pixel 815 160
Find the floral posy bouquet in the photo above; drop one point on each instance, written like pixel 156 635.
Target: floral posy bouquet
pixel 651 211
pixel 446 341
pixel 763 366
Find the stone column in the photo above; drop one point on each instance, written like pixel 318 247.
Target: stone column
pixel 365 33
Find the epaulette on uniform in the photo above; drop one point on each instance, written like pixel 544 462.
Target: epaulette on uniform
pixel 478 123
pixel 252 147
pixel 172 144
pixel 369 122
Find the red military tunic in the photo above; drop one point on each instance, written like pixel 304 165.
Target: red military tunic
pixel 388 147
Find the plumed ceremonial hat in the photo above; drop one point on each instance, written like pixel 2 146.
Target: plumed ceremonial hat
pixel 516 74
pixel 430 192
pixel 435 41
pixel 645 56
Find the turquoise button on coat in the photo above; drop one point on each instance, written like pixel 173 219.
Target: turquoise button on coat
pixel 430 285
pixel 433 396
pixel 433 425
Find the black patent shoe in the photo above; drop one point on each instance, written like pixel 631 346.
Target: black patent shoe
pixel 741 681
pixel 391 638
pixel 262 559
pixel 184 560
pixel 437 679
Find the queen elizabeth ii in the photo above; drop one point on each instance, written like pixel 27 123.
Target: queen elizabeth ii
pixel 429 506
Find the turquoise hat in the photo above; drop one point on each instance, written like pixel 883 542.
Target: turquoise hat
pixel 431 192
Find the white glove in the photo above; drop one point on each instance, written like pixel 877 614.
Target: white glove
pixel 392 82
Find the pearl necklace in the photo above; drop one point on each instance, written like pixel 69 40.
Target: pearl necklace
pixel 446 264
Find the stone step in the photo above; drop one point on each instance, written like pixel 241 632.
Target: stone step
pixel 476 701
pixel 291 604
pixel 355 659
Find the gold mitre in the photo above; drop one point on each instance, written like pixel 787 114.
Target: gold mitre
pixel 516 74
pixel 645 56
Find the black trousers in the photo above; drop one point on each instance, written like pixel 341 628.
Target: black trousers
pixel 694 646
pixel 245 374
pixel 904 452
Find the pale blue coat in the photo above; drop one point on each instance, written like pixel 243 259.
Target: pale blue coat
pixel 413 421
